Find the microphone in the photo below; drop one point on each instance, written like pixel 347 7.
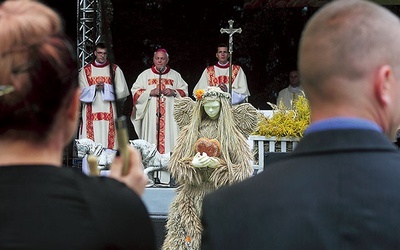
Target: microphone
pixel 161 69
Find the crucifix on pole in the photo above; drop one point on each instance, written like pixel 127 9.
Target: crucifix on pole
pixel 230 31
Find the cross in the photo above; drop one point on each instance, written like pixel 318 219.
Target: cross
pixel 230 31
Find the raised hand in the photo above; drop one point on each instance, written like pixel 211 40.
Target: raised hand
pixel 135 179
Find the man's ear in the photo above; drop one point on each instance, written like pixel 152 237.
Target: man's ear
pixel 383 85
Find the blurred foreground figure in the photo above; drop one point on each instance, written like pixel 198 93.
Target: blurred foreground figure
pixel 43 205
pixel 338 189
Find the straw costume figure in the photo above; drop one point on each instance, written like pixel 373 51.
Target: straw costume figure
pixel 211 151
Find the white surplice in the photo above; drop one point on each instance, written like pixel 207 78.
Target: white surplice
pixel 98 107
pixel 146 108
pixel 217 74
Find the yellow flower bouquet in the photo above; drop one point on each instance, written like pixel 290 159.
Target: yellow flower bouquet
pixel 288 123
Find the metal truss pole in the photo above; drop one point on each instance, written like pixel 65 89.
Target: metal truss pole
pixel 88 29
pixel 88 14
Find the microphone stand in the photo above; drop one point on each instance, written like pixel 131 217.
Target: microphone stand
pixel 121 120
pixel 160 96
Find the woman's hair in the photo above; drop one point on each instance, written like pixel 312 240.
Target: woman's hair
pixel 38 68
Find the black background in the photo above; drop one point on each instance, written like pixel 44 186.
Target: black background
pixel 190 31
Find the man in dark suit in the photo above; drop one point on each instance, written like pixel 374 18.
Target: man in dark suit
pixel 340 187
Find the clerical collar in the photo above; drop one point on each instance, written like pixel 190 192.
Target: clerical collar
pixel 223 66
pixel 295 89
pixel 165 71
pixel 100 65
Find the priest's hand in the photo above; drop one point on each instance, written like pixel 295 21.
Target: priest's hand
pixel 100 86
pixel 223 87
pixel 135 179
pixel 169 92
pixel 155 92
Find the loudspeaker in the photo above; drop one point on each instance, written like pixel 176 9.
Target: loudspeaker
pixel 159 229
pixel 270 157
pixel 273 157
pixel 157 201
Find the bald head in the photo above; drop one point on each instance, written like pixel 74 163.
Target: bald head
pixel 344 43
pixel 349 61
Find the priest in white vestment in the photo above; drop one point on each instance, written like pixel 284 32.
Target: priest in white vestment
pixel 218 75
pixel 97 97
pixel 288 95
pixel 154 92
